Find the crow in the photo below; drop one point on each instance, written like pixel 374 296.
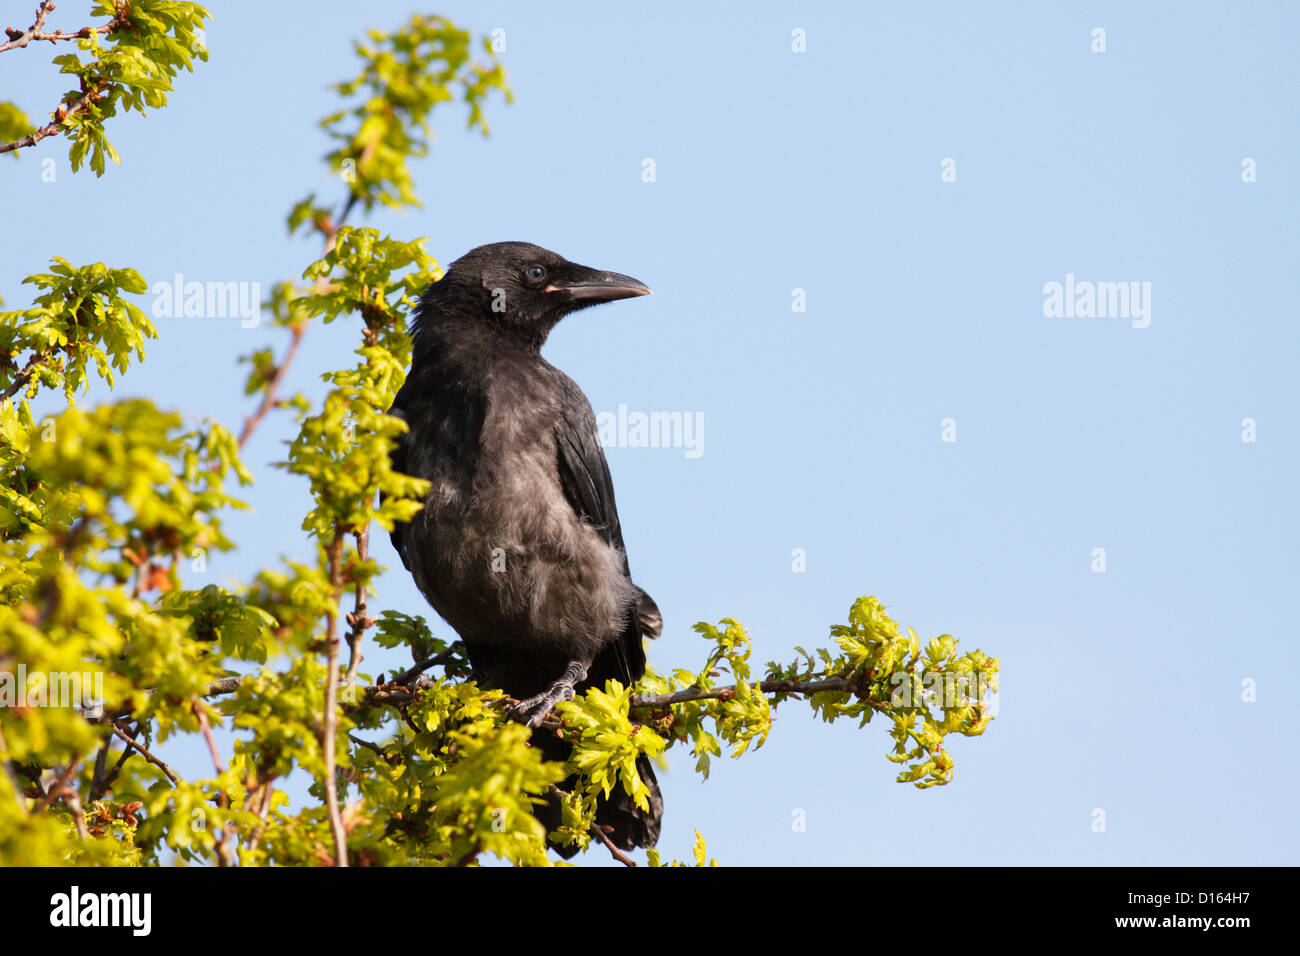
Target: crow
pixel 518 546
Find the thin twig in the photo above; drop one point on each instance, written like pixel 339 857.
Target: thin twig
pixel 766 687
pixel 357 620
pixel 146 754
pixel 224 685
pixel 97 793
pixel 225 854
pixel 376 694
pixel 100 774
pixel 73 801
pixel 332 229
pixel 206 727
pixel 263 807
pixel 55 790
pixel 61 113
pixel 396 693
pixel 419 667
pixel 20 38
pixel 331 702
pixel 614 851
pixel 21 379
pixel 596 831
pixel 371 746
pixel 270 397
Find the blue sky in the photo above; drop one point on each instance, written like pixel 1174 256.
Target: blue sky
pixel 821 171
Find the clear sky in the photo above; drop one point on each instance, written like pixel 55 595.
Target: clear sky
pixel 823 171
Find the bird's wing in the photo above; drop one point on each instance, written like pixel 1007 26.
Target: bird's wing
pixel 584 472
pixel 589 488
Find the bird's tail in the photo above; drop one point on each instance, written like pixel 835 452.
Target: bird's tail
pixel 627 825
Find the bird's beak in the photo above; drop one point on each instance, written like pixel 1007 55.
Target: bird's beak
pixel 595 286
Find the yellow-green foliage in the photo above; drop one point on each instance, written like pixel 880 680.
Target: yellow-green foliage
pixel 108 514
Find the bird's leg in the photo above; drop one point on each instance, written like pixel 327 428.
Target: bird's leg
pixel 534 710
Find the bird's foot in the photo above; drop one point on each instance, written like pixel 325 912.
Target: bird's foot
pixel 534 710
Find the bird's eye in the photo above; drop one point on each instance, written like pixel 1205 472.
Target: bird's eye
pixel 535 273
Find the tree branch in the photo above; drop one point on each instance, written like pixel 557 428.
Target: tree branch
pixel 101 771
pixel 271 396
pixel 357 620
pixel 72 799
pixel 396 692
pixel 61 113
pixel 408 675
pixel 766 687
pixel 21 379
pixel 225 854
pixel 371 746
pixel 263 807
pixel 145 753
pixel 20 38
pixel 57 788
pixel 331 703
pixel 614 851
pixel 101 787
pixel 226 685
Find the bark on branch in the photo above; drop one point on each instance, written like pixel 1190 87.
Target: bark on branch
pixel 20 38
pixel 765 687
pixel 61 114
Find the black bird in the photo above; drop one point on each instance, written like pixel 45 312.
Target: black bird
pixel 518 545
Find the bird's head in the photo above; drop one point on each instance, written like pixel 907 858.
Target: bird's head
pixel 521 288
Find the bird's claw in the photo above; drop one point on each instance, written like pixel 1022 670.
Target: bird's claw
pixel 534 710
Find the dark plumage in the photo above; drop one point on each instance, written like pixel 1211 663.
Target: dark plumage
pixel 519 546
